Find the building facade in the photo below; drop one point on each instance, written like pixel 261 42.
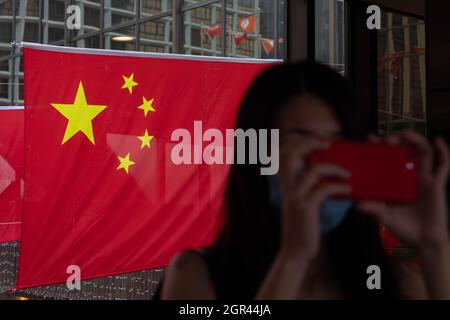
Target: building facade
pixel 214 28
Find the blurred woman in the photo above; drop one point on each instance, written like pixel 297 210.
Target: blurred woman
pixel 286 238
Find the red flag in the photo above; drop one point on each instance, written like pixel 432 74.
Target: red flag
pixel 247 24
pixel 267 45
pixel 381 64
pixel 12 146
pixel 102 192
pixel 212 31
pixel 395 63
pixel 239 38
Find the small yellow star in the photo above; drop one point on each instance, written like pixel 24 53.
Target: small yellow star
pixel 146 106
pixel 129 83
pixel 125 162
pixel 145 140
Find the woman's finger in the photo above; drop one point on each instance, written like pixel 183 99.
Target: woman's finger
pixel 329 190
pixel 292 154
pixel 393 140
pixel 310 179
pixel 422 146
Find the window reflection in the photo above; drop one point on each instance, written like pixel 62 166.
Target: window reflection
pixel 401 74
pixel 330 33
pixel 247 28
pixel 155 36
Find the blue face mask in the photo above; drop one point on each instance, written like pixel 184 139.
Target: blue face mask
pixel 332 211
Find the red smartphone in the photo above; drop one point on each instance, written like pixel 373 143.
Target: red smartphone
pixel 379 172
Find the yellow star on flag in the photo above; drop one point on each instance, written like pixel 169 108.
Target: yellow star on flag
pixel 129 83
pixel 146 106
pixel 125 162
pixel 145 140
pixel 80 115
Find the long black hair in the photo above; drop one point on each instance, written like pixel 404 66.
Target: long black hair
pixel 246 247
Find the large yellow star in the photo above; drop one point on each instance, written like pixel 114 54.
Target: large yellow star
pixel 145 140
pixel 146 106
pixel 79 114
pixel 129 83
pixel 125 162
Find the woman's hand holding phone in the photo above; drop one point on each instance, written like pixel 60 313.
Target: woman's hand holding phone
pixel 301 197
pixel 423 224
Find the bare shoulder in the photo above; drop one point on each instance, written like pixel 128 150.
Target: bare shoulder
pixel 187 277
pixel 188 260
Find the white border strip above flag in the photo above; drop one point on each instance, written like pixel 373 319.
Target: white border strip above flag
pixel 11 108
pixel 109 52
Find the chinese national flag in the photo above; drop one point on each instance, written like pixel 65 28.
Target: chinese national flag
pixel 101 190
pixel 247 24
pixel 11 172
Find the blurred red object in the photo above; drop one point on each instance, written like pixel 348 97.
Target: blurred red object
pixel 239 38
pixel 390 242
pixel 268 45
pixel 248 24
pixel 12 147
pixel 212 31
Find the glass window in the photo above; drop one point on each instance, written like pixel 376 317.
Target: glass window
pixel 4 90
pixel 121 39
pixel 119 11
pixel 31 33
pixel 330 33
pixel 33 8
pixel 21 92
pixel 189 2
pixel 54 33
pixel 203 31
pixel 56 10
pixel 90 17
pixel 255 28
pixel 150 7
pixel 6 8
pixel 92 41
pixel 156 36
pixel 4 59
pixel 53 27
pixel 401 74
pixel 6 34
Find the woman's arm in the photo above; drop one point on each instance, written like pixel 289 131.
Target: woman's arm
pixel 285 278
pixel 409 277
pixel 436 269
